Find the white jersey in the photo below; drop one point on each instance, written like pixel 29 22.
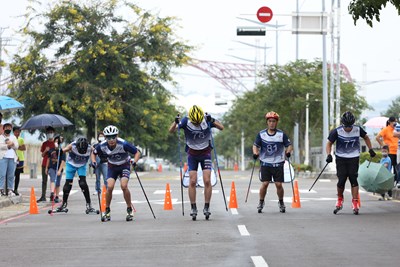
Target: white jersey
pixel 77 159
pixel 347 143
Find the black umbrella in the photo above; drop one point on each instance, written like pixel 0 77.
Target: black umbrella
pixel 45 120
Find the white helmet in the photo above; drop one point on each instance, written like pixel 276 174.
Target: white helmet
pixel 110 130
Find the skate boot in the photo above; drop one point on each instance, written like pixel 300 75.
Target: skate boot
pixel 356 206
pixel 129 215
pixel 339 205
pixel 260 206
pixel 193 213
pixel 106 215
pixel 282 207
pixel 206 212
pixel 90 210
pixel 62 208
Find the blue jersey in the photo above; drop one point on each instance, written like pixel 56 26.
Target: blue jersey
pixel 77 159
pixel 388 161
pixel 397 128
pixel 347 143
pixel 119 154
pixel 198 137
pixel 272 147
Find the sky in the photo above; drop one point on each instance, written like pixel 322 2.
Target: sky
pixel 370 54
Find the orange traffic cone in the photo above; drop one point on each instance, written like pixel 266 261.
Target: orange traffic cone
pixel 167 201
pixel 33 209
pixel 159 168
pixel 236 167
pixel 103 199
pixel 185 167
pixel 296 197
pixel 232 199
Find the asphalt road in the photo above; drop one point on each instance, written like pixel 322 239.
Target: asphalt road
pixel 308 236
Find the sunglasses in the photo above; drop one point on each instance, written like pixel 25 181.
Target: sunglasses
pixel 111 137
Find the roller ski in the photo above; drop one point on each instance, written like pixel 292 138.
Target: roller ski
pixel 356 206
pixel 193 213
pixel 207 213
pixel 260 206
pixel 282 207
pixel 90 210
pixel 339 205
pixel 106 215
pixel 129 215
pixel 62 208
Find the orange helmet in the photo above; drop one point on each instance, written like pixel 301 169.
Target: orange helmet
pixel 272 115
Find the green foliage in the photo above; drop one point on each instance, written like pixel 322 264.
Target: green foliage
pixel 369 9
pixel 394 109
pixel 302 167
pixel 285 93
pixel 92 65
pixel 365 156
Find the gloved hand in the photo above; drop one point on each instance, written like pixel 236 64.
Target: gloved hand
pixel 93 165
pixel 255 156
pixel 209 118
pixel 329 158
pixel 177 119
pixel 288 154
pixel 372 153
pixel 132 161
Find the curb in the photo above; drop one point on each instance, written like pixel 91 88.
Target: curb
pixel 8 201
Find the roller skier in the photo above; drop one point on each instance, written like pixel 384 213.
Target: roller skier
pixel 347 154
pixel 271 146
pixel 117 151
pixel 198 148
pixel 78 156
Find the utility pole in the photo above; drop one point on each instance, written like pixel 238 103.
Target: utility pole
pixel 3 42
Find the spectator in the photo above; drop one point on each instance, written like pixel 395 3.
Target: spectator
pixel 21 158
pixel 388 136
pixel 385 161
pixel 54 168
pixel 8 159
pixel 45 148
pixel 101 168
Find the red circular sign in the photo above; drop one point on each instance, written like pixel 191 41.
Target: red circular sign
pixel 264 14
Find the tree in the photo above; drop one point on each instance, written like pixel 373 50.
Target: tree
pixel 98 68
pixel 394 109
pixel 370 9
pixel 285 92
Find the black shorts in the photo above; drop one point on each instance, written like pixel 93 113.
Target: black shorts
pixel 347 168
pixel 267 173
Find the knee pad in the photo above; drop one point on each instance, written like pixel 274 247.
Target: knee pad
pixel 67 187
pixel 341 183
pixel 82 183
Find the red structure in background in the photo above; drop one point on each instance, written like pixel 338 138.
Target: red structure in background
pixel 230 74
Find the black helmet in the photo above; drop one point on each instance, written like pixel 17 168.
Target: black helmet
pixel 347 119
pixel 82 145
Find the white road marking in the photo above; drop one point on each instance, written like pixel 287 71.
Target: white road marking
pixel 234 211
pixel 325 180
pixel 259 261
pixel 70 193
pixel 305 191
pixel 243 230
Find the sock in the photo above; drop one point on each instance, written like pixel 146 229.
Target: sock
pixel 194 206
pixel 206 205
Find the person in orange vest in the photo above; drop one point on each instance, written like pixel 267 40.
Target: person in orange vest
pixel 388 136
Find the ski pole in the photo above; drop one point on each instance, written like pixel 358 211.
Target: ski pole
pixel 291 177
pixel 180 168
pixel 216 161
pixel 251 177
pixel 98 193
pixel 148 202
pixel 318 176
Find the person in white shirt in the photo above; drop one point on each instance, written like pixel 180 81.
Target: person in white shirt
pixel 8 160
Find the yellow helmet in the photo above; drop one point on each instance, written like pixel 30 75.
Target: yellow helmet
pixel 196 114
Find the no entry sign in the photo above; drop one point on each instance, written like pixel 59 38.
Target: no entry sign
pixel 264 14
